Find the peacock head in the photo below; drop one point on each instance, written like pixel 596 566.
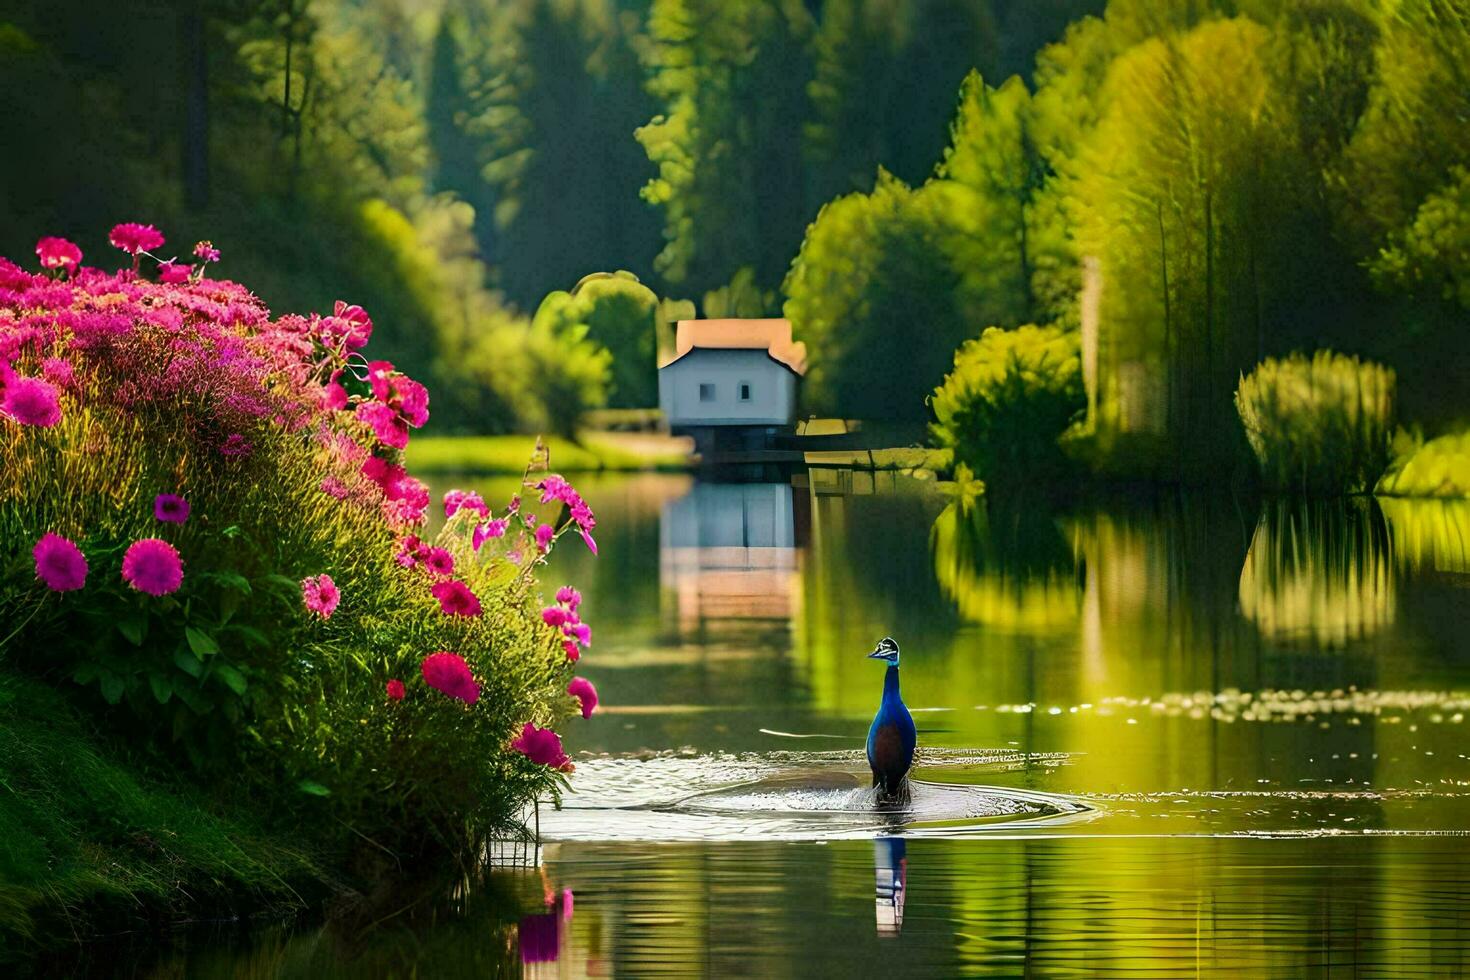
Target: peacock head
pixel 887 651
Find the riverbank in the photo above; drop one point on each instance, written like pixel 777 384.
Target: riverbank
pixel 97 839
pixel 593 452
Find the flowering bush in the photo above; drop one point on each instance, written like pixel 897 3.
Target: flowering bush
pixel 207 529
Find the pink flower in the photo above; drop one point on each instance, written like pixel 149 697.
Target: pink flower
pixel 554 616
pixel 359 324
pixel 59 563
pixel 581 689
pixel 544 534
pixel 395 690
pixel 58 253
pixel 206 252
pixel 457 500
pixel 438 561
pixel 334 396
pixel 447 672
pixel 153 566
pixel 320 595
pixel 387 425
pixel 173 273
pixel 170 508
pixel 455 598
pixel 570 648
pixel 408 551
pixel 541 745
pixel 569 596
pixel 31 401
pixel 587 539
pixel 134 238
pixel 490 529
pixel 58 371
pixel 580 632
pixel 235 445
pixel 379 379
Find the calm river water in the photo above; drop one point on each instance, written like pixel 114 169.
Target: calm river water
pixel 1157 739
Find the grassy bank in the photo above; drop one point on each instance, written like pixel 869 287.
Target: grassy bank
pixel 594 452
pixel 92 838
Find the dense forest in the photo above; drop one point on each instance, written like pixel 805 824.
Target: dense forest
pixel 1182 187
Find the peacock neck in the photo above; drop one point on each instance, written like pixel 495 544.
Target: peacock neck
pixel 890 685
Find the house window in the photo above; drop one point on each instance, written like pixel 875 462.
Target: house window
pixel 706 392
pixel 744 390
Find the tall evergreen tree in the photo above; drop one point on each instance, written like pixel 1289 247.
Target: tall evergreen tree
pixel 731 80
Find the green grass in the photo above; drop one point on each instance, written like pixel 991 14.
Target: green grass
pixel 597 451
pixel 85 829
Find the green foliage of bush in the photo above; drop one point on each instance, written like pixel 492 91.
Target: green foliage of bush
pixel 1319 424
pixel 1436 468
pixel 1011 395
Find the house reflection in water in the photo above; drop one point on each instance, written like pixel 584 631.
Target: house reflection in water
pixel 728 555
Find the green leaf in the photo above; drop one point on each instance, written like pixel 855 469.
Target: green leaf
pixel 134 628
pixel 501 574
pixel 232 677
pixel 314 788
pixel 200 642
pixel 112 688
pixel 163 688
pixel 187 662
pixel 85 673
pixel 232 580
pixel 191 696
pixel 252 635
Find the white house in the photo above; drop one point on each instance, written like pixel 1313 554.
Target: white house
pixel 731 374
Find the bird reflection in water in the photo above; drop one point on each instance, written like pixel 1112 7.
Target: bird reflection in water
pixel 541 935
pixel 890 874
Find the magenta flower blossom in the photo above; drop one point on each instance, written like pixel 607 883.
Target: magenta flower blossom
pixel 206 252
pixel 408 551
pixel 448 673
pixel 542 746
pixel 170 508
pixel 570 648
pixel 490 529
pixel 153 566
pixel 588 540
pixel 58 253
pixel 580 632
pixel 388 426
pixel 235 445
pixel 31 401
pixel 173 273
pixel 359 326
pixel 544 534
pixel 569 597
pixel 395 690
pixel 59 371
pixel 554 616
pixel 458 500
pixel 437 561
pixel 320 595
pixel 60 563
pixel 334 396
pixel 455 598
pixel 133 238
pixel 581 689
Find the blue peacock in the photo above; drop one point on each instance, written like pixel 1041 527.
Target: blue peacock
pixel 892 737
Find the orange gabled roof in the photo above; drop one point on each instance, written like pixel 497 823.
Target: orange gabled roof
pixel 771 335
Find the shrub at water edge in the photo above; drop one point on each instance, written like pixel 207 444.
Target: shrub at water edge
pixel 208 539
pixel 1011 394
pixel 1318 425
